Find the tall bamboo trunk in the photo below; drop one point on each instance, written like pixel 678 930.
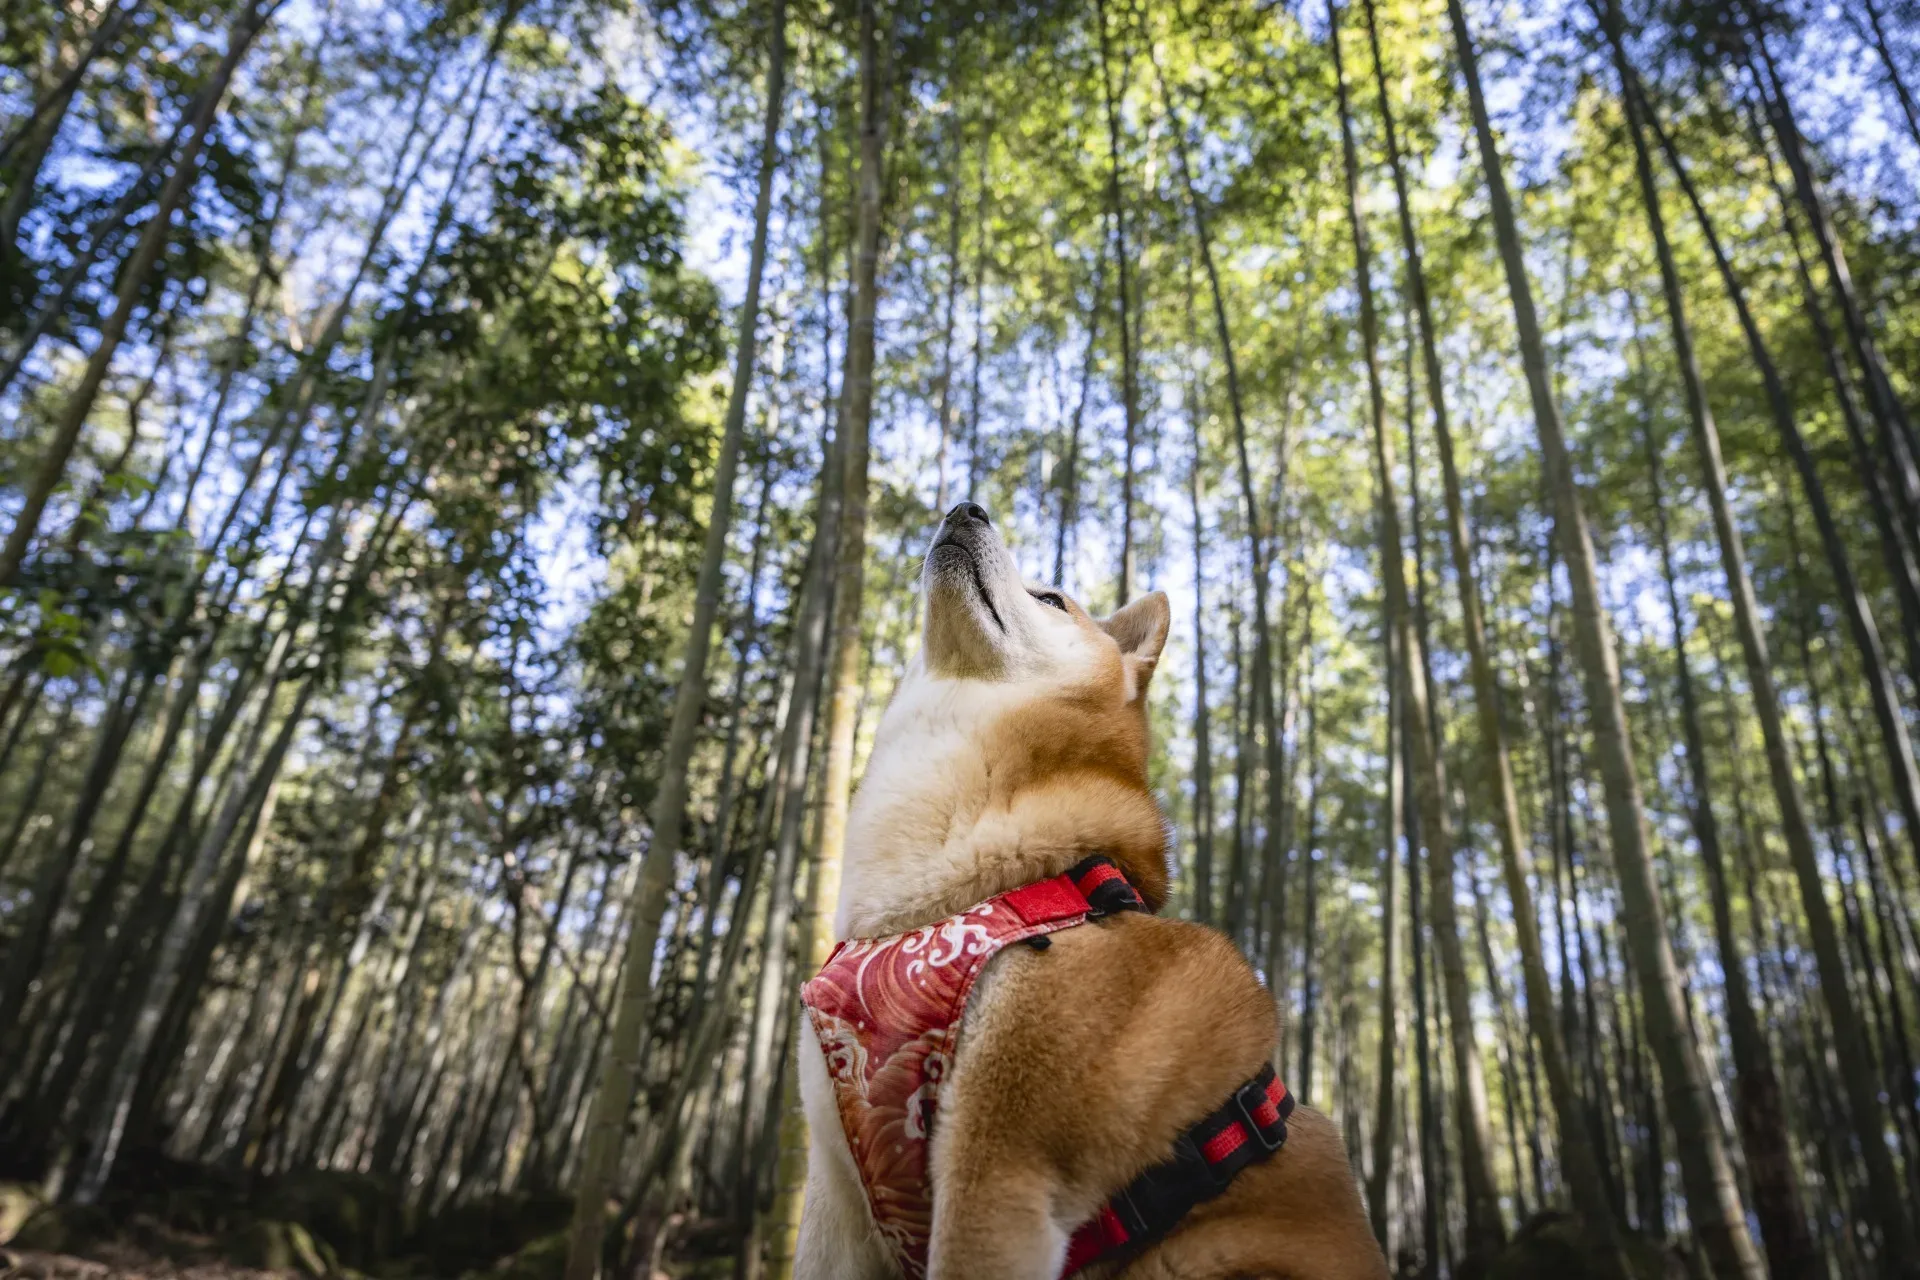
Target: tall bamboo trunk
pixel 1261 679
pixel 1896 426
pixel 976 453
pixel 855 421
pixel 1895 79
pixel 1485 1229
pixel 951 305
pixel 1067 471
pixel 30 141
pixel 1846 586
pixel 1387 1068
pixel 1713 1199
pixel 1758 1117
pixel 134 276
pixel 1430 1159
pixel 1201 905
pixel 1581 1166
pixel 796 742
pixel 63 858
pixel 1899 750
pixel 110 1124
pixel 1847 589
pixel 1244 721
pixel 1309 933
pixel 606 1124
pixel 1772 1170
pixel 1129 398
pixel 814 612
pixel 1893 525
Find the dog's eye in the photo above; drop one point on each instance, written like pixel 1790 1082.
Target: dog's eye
pixel 1052 599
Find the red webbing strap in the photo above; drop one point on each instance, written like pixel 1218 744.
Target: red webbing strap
pixel 1045 901
pixel 1095 1239
pixel 1096 875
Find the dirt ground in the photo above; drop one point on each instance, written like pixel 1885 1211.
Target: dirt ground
pixel 120 1262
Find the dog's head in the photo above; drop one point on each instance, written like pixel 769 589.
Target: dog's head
pixel 1015 743
pixel 984 623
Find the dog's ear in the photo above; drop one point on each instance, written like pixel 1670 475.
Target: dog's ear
pixel 1140 630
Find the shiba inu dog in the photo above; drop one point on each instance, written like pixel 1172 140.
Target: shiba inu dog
pixel 1015 747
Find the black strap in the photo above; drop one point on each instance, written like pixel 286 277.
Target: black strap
pixel 1206 1158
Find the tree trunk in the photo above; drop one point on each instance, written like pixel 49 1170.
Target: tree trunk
pixel 1243 734
pixel 951 306
pixel 1431 1160
pixel 1895 425
pixel 63 858
pixel 1201 907
pixel 606 1125
pixel 1510 1091
pixel 1309 933
pixel 976 455
pixel 1783 1224
pixel 1261 678
pixel 134 275
pixel 1129 398
pixel 1485 1230
pixel 796 740
pixel 34 136
pixel 1846 587
pixel 1853 602
pixel 814 615
pixel 110 1125
pixel 1713 1199
pixel 1582 1169
pixel 1067 471
pixel 855 421
pixel 1894 78
pixel 1388 1067
pixel 1758 1116
pixel 1896 547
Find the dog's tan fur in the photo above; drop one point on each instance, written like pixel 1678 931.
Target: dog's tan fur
pixel 1016 745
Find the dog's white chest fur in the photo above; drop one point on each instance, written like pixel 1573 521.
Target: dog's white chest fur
pixel 926 785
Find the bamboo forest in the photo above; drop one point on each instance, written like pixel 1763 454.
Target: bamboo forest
pixel 466 466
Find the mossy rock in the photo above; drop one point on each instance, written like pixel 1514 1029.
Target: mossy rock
pixel 544 1259
pixel 474 1235
pixel 268 1244
pixel 1552 1246
pixel 358 1216
pixel 63 1229
pixel 18 1202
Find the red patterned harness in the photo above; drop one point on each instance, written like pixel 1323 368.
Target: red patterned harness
pixel 887 1013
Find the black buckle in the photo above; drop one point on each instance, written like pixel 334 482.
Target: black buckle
pixel 1259 1087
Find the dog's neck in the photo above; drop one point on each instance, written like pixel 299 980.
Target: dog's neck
pixel 965 798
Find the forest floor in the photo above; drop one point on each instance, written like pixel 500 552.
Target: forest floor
pixel 186 1222
pixel 171 1220
pixel 122 1262
pixel 141 1246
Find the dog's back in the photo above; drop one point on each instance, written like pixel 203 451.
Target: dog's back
pixel 1081 1064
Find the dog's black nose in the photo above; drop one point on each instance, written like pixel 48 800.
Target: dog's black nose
pixel 967 511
